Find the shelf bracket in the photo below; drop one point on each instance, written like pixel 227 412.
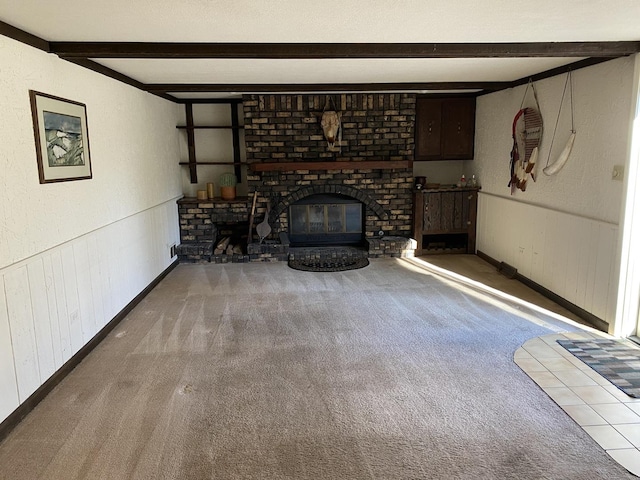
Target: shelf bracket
pixel 191 142
pixel 236 141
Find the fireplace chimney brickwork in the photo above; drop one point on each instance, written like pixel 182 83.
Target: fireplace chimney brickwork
pixel 375 127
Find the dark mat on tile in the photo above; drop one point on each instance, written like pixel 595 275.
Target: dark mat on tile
pixel 616 360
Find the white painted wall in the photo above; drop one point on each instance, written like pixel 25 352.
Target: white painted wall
pixel 73 254
pixel 445 172
pixel 628 313
pixel 133 144
pixel 581 193
pixel 602 99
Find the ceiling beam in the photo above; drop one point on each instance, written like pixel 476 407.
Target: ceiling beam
pixel 586 62
pixel 320 87
pixel 81 52
pixel 96 67
pixel 24 37
pixel 341 50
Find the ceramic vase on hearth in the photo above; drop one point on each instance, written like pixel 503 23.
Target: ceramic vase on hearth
pixel 228 183
pixel 228 193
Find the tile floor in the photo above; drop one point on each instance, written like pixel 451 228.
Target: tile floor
pixel 607 414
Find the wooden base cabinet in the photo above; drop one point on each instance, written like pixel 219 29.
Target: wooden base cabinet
pixel 444 220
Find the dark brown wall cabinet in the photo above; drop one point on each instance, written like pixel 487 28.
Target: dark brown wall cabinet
pixel 445 128
pixel 444 220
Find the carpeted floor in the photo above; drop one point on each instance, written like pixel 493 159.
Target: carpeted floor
pixel 616 360
pixel 259 371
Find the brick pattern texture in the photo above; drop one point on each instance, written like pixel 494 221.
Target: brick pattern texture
pixel 200 220
pixel 380 127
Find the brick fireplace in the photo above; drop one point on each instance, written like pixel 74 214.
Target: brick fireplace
pixel 289 161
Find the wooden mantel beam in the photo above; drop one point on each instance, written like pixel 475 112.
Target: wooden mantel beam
pixel 337 165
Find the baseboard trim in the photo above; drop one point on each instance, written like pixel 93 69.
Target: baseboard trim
pixel 588 317
pixel 36 397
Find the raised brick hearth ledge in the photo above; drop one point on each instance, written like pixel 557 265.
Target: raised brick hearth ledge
pixel 273 251
pixel 204 222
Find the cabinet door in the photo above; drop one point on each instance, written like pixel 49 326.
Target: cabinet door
pixel 447 212
pixel 458 128
pixel 472 205
pixel 428 128
pixel 432 213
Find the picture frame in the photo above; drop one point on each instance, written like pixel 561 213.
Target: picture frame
pixel 61 138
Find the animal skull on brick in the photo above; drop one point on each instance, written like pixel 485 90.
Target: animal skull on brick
pixel 330 126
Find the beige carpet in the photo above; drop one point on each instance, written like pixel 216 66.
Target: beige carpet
pixel 259 371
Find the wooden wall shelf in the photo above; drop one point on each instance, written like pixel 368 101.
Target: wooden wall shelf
pixel 351 165
pixel 198 127
pixel 190 200
pixel 191 128
pixel 212 163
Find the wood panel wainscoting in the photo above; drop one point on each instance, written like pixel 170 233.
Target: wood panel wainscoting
pixel 570 255
pixel 36 397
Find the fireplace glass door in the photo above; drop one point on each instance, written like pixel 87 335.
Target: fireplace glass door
pixel 326 220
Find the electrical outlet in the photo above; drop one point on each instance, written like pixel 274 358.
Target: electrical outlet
pixel 172 250
pixel 618 173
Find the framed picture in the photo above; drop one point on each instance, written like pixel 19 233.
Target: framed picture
pixel 62 139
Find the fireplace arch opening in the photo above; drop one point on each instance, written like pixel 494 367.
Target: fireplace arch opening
pixel 326 219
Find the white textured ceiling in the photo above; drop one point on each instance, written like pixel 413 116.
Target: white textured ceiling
pixel 335 70
pixel 328 21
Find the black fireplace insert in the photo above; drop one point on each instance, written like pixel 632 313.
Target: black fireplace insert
pixel 326 219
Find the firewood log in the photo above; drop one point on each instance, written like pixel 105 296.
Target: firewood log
pixel 222 246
